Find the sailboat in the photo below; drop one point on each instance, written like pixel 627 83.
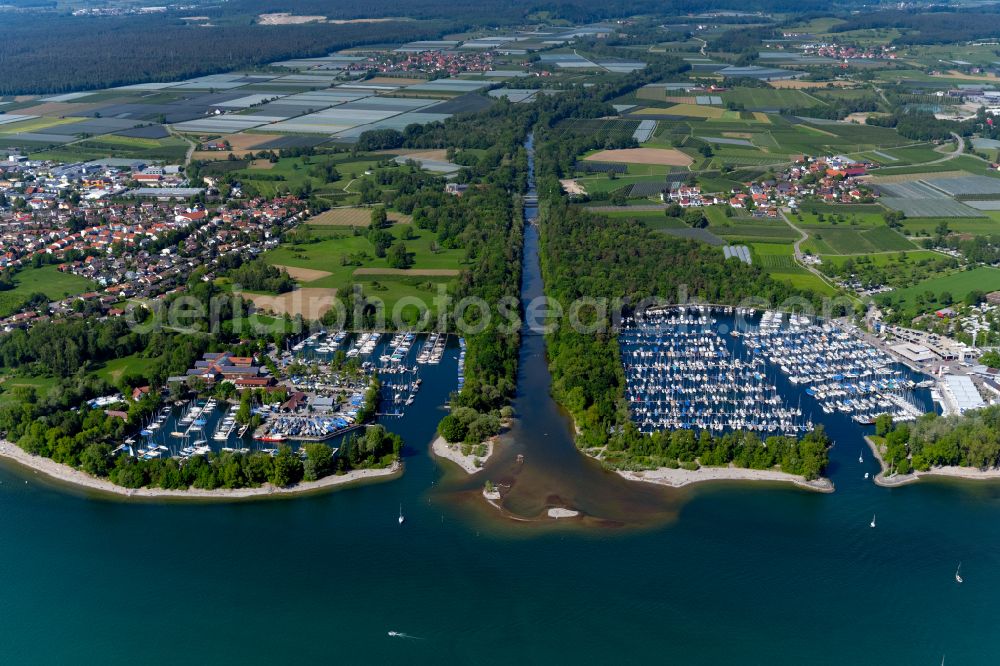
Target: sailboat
pixel 958 575
pixel 401 519
pixel 873 520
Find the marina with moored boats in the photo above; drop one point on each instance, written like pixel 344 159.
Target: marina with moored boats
pixel 722 369
pixel 323 395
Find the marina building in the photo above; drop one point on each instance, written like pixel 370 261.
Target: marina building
pixel 960 394
pixel 914 352
pixel 223 366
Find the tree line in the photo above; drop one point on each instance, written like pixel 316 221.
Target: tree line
pixel 806 456
pixel 971 439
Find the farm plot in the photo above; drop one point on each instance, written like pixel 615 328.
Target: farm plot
pixel 918 199
pixel 658 156
pixel 702 235
pixel 888 178
pixel 927 226
pixel 589 166
pixel 767 98
pixel 856 138
pixel 644 131
pixel 352 217
pixel 775 257
pixel 687 110
pixel 603 129
pixel 991 204
pixel 309 302
pixel 597 184
pixel 47 280
pixel 903 156
pixel 727 141
pixel 966 185
pixel 839 240
pixel 755 231
pixel 779 262
pixel 650 189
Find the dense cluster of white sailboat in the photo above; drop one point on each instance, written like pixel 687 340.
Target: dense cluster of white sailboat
pixel 322 342
pixel 190 428
pixel 843 373
pixel 433 349
pixel 311 427
pixel 400 382
pixel 680 374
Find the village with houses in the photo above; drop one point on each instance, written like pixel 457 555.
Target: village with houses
pixel 832 179
pixel 132 230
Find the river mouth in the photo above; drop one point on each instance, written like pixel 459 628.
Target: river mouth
pixel 537 464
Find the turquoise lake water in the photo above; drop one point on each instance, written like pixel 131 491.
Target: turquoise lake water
pixel 737 573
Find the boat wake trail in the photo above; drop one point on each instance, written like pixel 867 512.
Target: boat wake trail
pixel 400 634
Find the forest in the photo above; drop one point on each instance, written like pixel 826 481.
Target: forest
pixel 65 53
pixel 968 440
pixel 935 25
pixel 261 277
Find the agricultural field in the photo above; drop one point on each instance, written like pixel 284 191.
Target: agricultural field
pixel 864 217
pixel 910 155
pixel 169 149
pixel 600 183
pixel 604 129
pixel 47 280
pixel 847 240
pixel 884 259
pixel 654 219
pixel 326 255
pixel 926 226
pixel 920 199
pixel 641 156
pixel 749 230
pixel 740 142
pixel 768 98
pixel 776 257
pixel 352 217
pixel 686 110
pixel 779 262
pixel 35 125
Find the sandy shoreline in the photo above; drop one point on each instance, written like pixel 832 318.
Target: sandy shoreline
pixel 453 452
pixel 76 478
pixel 677 478
pixel 951 472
